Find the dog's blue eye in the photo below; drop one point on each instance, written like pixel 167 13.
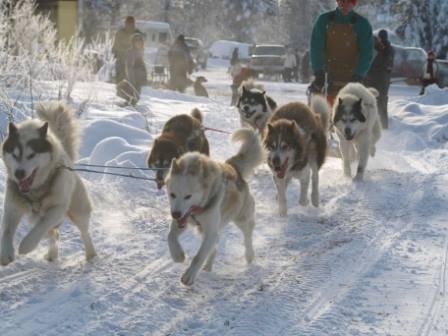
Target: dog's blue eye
pixel 187 197
pixel 173 195
pixel 29 157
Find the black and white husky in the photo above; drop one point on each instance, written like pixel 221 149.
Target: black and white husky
pixel 254 106
pixel 37 154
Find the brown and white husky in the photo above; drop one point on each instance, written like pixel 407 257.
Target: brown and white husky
pixel 296 142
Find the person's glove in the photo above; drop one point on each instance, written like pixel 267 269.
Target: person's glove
pixel 318 83
pixel 357 78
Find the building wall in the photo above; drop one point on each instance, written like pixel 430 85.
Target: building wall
pixel 64 14
pixel 67 19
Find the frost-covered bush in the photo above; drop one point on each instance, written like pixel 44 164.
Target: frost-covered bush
pixel 31 54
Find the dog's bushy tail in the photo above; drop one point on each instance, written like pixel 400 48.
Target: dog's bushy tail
pixel 195 113
pixel 320 106
pixel 63 124
pixel 251 153
pixel 250 84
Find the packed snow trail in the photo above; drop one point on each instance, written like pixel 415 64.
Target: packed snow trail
pixel 370 261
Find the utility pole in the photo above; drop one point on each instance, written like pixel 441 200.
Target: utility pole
pixel 167 8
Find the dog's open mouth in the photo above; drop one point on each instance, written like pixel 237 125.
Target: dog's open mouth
pixel 281 170
pixel 349 137
pixel 182 222
pixel 26 183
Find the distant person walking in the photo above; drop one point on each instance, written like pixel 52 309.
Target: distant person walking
pixel 122 42
pixel 181 64
pixel 341 47
pixel 429 72
pixel 305 67
pixel 135 71
pixel 235 57
pixel 295 70
pixel 380 73
pixel 289 64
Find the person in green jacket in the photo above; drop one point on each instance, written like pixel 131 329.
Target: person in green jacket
pixel 341 48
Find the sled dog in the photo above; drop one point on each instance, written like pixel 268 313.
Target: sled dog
pixel 357 123
pixel 199 89
pixel 254 107
pixel 208 194
pixel 180 134
pixel 296 142
pixel 37 155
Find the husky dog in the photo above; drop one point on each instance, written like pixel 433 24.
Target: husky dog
pixel 255 107
pixel 199 89
pixel 296 142
pixel 209 194
pixel 357 123
pixel 38 155
pixel 180 134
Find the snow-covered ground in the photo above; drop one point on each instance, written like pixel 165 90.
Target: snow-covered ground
pixel 370 261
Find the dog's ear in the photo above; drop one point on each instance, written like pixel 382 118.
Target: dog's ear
pixel 12 130
pixel 43 130
pixel 175 169
pixel 339 111
pixel 298 130
pixel 357 111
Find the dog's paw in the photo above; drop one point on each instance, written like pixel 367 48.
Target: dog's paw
pixel 6 254
pixel 188 277
pixel 283 212
pixel 178 255
pixel 90 255
pixel 250 255
pixel 51 256
pixel 304 201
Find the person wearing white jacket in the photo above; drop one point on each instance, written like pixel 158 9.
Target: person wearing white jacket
pixel 289 64
pixel 429 72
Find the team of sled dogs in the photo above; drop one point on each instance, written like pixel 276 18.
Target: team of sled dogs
pixel 39 155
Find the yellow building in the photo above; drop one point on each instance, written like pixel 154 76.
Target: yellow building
pixel 63 13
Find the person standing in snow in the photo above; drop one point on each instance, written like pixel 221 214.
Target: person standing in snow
pixel 122 43
pixel 289 65
pixel 135 71
pixel 181 64
pixel 235 57
pixel 341 48
pixel 429 72
pixel 380 73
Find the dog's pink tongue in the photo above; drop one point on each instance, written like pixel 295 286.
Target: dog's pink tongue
pixel 281 171
pixel 25 184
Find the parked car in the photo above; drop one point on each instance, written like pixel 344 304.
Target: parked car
pixel 409 62
pixel 442 73
pixel 268 59
pixel 224 49
pixel 199 54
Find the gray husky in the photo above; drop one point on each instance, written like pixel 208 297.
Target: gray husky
pixel 37 155
pixel 357 124
pixel 209 194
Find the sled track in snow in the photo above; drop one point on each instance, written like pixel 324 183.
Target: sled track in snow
pixel 438 301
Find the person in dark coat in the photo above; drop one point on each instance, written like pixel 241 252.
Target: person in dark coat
pixel 181 64
pixel 135 72
pixel 429 72
pixel 235 57
pixel 122 42
pixel 295 70
pixel 380 73
pixel 305 67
